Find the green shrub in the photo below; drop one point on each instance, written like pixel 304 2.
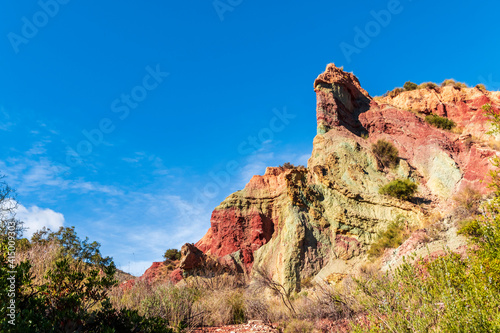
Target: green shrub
pixel 408 86
pixel 428 85
pixel 399 188
pixel 172 254
pixel 494 117
pixel 386 153
pixel 390 238
pixel 440 122
pixel 481 87
pixel 236 303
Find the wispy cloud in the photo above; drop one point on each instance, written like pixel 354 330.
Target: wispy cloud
pixel 34 171
pixel 6 122
pixel 151 161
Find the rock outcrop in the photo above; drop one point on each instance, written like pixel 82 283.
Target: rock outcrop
pixel 318 221
pixel 462 105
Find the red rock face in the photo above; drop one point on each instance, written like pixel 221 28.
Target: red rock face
pixel 233 230
pixel 176 275
pixel 417 141
pixel 154 273
pixel 247 220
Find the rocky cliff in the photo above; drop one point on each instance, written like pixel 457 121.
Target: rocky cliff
pixel 318 221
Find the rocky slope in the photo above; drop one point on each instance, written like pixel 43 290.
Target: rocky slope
pixel 319 221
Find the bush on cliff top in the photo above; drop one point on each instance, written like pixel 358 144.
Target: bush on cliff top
pixel 453 83
pixel 399 188
pixel 172 254
pixel 408 86
pixel 440 122
pixel 386 153
pixel 428 85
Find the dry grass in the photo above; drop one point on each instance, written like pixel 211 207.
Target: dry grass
pixel 299 326
pixel 467 203
pixel 42 258
pixel 221 307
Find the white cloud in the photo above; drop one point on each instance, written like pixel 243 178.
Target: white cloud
pixel 35 218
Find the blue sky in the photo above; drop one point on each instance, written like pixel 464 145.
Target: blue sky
pixel 132 120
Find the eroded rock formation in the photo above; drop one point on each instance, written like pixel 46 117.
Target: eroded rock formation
pixel 318 221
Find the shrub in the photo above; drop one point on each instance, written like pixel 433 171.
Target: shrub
pixel 494 117
pixel 393 93
pixel 287 165
pixel 448 82
pixel 453 83
pixel 390 238
pixel 172 254
pixel 440 122
pixel 481 87
pixel 408 86
pixel 428 85
pixel 386 153
pixel 173 304
pixel 468 200
pixel 400 188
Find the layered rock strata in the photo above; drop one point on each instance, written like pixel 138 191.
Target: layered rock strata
pixel 318 221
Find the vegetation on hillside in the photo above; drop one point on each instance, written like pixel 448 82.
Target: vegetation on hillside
pixel 440 122
pixel 409 86
pixel 403 189
pixel 390 238
pixel 288 165
pixel 172 254
pixel 387 154
pixel 59 283
pixel 451 293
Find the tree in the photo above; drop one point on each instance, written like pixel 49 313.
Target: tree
pixel 172 254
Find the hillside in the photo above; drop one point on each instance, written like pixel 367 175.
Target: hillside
pixel 318 222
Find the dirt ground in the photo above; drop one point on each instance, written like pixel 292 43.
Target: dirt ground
pixel 251 326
